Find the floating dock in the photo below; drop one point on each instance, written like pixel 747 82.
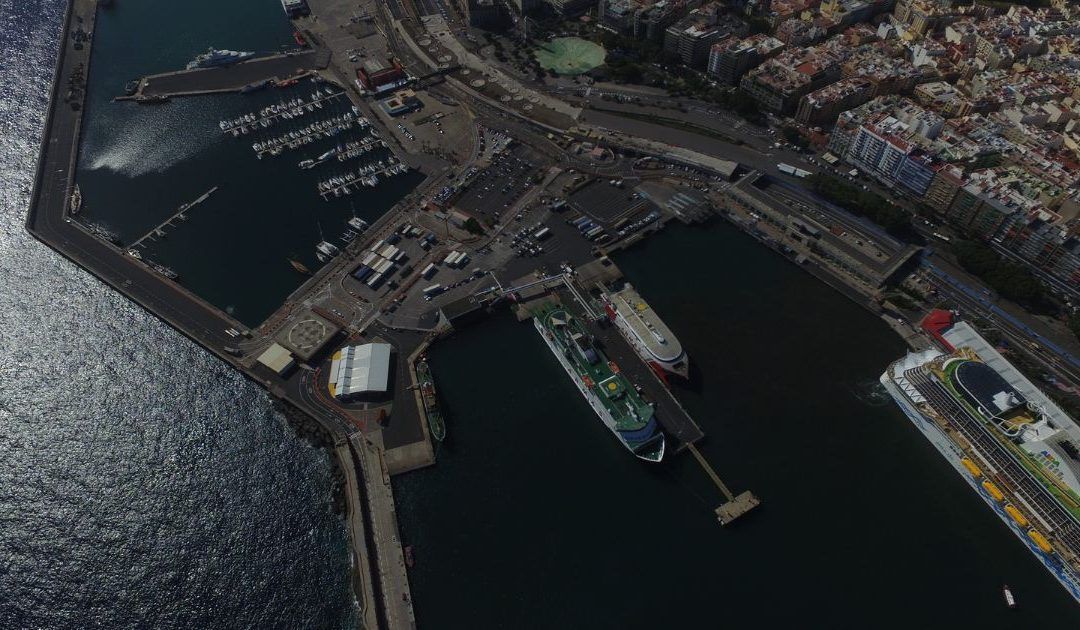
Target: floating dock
pixel 735 506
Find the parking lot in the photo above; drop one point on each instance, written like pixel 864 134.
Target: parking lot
pixel 607 201
pixel 415 249
pixel 497 187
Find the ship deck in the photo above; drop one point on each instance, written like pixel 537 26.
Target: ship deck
pixel 645 322
pixel 615 392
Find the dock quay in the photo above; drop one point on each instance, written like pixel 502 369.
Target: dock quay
pixel 225 79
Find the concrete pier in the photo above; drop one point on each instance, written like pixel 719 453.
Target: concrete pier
pixel 225 79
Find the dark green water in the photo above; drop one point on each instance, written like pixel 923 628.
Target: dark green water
pixel 534 517
pixel 140 163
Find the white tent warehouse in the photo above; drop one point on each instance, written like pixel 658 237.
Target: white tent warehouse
pixel 360 370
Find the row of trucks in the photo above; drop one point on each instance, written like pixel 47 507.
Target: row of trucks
pixel 380 262
pixel 590 229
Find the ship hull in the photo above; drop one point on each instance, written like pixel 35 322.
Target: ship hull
pixel 591 397
pixel 953 454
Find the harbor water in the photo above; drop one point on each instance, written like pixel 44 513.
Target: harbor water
pixel 140 163
pixel 143 483
pixel 535 517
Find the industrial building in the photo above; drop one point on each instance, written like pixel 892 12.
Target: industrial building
pixel 277 359
pixel 380 76
pixel 402 102
pixel 358 371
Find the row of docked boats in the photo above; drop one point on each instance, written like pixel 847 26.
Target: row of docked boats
pixel 347 151
pixel 325 250
pixel 365 176
pixel 288 110
pixel 295 139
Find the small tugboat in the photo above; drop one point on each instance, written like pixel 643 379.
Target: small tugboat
pixel 409 561
pixel 1010 601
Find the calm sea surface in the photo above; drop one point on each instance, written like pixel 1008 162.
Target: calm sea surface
pixel 143 484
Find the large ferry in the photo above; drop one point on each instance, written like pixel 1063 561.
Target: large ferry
pixel 612 397
pixel 213 58
pixel 647 333
pixel 1012 445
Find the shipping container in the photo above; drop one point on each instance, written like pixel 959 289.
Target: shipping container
pixel 593 233
pixel 374 280
pixel 449 260
pixel 578 222
pixel 429 271
pixel 369 259
pixel 362 272
pixel 433 290
pixel 542 233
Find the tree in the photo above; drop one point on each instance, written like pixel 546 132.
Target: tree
pixel 473 227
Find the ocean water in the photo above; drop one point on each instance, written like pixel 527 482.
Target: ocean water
pixel 142 482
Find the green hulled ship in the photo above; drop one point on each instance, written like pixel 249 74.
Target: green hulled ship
pixel 431 403
pixel 612 397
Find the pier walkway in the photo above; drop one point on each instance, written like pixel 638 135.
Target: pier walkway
pixel 232 78
pixel 159 230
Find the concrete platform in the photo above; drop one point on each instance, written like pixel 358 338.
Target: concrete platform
pixel 231 78
pixel 737 507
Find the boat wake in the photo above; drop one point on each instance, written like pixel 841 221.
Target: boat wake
pixel 872 393
pixel 147 144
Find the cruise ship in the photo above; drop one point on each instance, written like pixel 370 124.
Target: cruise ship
pixel 610 394
pixel 1013 446
pixel 647 333
pixel 213 58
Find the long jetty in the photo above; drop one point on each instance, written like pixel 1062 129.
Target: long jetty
pixel 158 230
pixel 226 79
